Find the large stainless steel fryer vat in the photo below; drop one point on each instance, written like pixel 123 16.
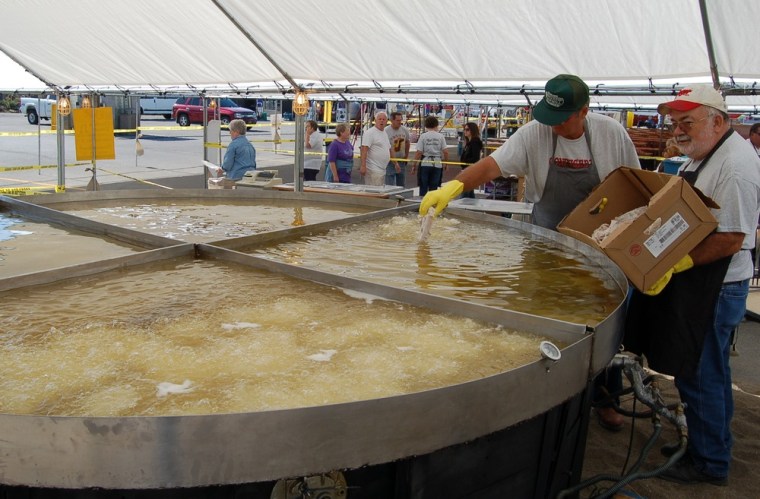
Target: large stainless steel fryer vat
pixel 417 435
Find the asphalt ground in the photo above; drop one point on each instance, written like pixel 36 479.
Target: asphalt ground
pixel 28 159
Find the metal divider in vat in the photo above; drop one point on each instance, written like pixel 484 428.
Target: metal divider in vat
pixel 298 231
pixel 183 250
pixel 218 194
pixel 156 248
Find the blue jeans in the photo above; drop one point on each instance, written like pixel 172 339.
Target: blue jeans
pixel 393 178
pixel 710 402
pixel 429 178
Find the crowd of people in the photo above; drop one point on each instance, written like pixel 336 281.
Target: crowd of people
pixel 385 153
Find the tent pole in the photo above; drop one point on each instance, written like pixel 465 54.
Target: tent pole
pixel 299 151
pixel 709 45
pixel 60 127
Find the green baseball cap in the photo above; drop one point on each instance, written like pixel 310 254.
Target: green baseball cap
pixel 564 96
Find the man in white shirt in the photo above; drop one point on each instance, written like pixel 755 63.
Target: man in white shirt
pixel 375 151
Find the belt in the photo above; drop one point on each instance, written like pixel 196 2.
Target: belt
pixel 734 283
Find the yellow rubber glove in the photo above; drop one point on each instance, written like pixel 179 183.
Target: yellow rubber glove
pixel 684 263
pixel 440 197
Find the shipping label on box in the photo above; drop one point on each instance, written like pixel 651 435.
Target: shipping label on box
pixel 666 235
pixel 674 218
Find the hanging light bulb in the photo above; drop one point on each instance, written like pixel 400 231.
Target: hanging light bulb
pixel 86 103
pixel 301 103
pixel 64 105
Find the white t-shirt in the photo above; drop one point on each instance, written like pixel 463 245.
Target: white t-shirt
pixel 528 151
pixel 379 152
pixel 431 144
pixel 732 179
pixel 313 157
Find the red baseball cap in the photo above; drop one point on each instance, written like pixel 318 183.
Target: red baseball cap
pixel 692 97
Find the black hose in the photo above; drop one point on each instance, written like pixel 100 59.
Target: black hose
pixel 650 397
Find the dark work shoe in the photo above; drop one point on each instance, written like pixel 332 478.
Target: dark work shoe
pixel 668 450
pixel 685 472
pixel 609 418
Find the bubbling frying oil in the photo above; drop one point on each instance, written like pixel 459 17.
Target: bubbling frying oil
pixel 488 264
pixel 200 220
pixel 177 338
pixel 27 246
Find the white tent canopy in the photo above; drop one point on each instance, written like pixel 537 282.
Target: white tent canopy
pixel 465 49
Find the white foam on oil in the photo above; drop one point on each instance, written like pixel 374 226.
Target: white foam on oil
pixel 240 325
pixel 362 296
pixel 322 356
pixel 165 388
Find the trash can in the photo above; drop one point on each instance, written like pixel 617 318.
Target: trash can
pixel 127 122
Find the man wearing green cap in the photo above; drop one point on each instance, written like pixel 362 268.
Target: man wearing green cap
pixel 563 154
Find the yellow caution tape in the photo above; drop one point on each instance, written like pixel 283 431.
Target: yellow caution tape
pixel 135 179
pixel 21 191
pixel 19 134
pixel 36 167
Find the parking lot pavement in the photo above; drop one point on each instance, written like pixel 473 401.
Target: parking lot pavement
pixel 29 158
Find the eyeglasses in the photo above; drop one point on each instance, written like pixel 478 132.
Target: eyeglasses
pixel 686 126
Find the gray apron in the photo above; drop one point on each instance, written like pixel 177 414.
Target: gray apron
pixel 565 188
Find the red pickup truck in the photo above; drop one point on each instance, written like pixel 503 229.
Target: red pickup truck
pixel 188 110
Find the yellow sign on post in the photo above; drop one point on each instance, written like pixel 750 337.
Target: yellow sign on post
pixel 102 140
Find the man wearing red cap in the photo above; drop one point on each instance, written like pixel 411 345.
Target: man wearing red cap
pixel 683 324
pixel 564 153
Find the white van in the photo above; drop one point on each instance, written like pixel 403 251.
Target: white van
pixel 157 106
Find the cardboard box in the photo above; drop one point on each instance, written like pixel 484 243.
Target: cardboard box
pixel 677 218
